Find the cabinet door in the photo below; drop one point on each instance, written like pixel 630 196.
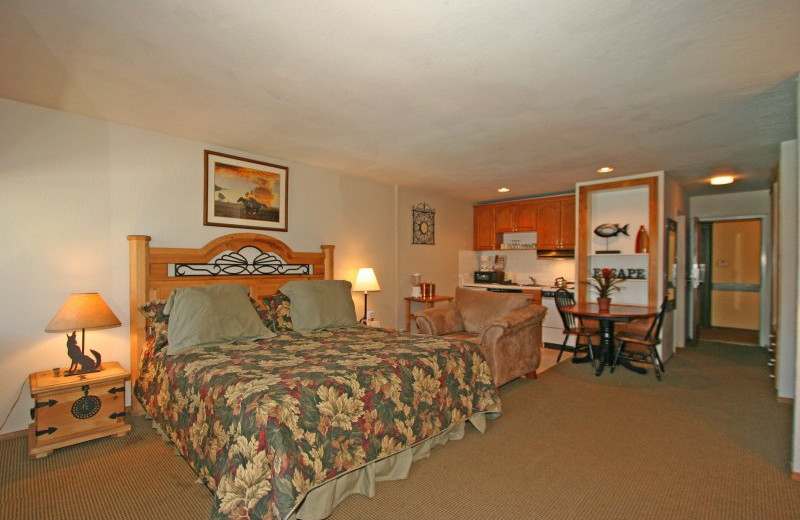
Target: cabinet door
pixel 568 223
pixel 504 218
pixel 548 224
pixel 525 216
pixel 484 228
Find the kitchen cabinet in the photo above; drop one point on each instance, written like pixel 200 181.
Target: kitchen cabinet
pixel 483 226
pixel 515 217
pixel 556 223
pixel 553 218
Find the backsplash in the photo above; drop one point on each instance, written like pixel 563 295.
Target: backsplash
pixel 520 265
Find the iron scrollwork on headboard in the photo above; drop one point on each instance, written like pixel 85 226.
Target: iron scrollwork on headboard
pixel 248 261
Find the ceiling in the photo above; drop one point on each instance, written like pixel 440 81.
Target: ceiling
pixel 456 97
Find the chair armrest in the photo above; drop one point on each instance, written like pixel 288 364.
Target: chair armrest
pixel 439 320
pixel 522 317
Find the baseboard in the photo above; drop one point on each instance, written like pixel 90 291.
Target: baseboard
pixel 787 400
pixel 13 435
pixel 796 476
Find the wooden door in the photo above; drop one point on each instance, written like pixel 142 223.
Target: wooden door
pixel 567 231
pixel 548 224
pixel 484 228
pixel 525 216
pixel 504 218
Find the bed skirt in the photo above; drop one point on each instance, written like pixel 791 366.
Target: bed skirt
pixel 319 502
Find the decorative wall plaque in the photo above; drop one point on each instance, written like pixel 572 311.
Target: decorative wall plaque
pixel 423 217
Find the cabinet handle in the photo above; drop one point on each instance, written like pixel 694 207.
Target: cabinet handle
pixel 116 390
pixel 51 402
pixel 116 415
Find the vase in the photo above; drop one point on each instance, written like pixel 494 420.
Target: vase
pixel 603 304
pixel 642 241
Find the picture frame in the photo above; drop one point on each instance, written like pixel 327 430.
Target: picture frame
pixel 245 193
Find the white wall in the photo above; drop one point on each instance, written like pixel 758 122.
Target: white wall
pixel 72 188
pixel 796 286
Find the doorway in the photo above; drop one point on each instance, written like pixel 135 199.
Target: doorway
pixel 731 296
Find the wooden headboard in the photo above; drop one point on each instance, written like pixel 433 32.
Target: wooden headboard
pixel 260 262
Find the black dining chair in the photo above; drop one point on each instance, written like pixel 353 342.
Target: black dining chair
pixel 642 348
pixel 573 326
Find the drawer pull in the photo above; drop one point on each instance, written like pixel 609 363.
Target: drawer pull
pixel 116 415
pixel 116 390
pixel 33 413
pixel 51 402
pixel 48 431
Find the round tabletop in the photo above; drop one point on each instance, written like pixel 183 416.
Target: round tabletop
pixel 616 312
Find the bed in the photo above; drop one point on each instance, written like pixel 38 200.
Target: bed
pixel 287 426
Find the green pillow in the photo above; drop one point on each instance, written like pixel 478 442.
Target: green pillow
pixel 211 315
pixel 321 304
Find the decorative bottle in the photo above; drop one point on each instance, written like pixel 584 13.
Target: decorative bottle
pixel 642 241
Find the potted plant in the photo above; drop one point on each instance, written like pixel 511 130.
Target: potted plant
pixel 605 282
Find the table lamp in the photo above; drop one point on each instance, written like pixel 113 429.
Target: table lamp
pixel 82 311
pixel 366 281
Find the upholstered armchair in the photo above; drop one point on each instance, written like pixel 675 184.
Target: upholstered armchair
pixel 507 326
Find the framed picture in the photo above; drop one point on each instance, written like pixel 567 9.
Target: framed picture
pixel 245 193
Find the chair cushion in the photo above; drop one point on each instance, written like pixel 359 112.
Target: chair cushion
pixel 477 308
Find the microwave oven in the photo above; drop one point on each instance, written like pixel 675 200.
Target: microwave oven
pixel 489 277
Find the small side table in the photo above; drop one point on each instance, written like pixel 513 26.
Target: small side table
pixel 77 408
pixel 428 302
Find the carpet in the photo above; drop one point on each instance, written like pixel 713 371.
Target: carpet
pixel 708 442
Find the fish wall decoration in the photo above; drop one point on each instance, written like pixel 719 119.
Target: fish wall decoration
pixel 610 230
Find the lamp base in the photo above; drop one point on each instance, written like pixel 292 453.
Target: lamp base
pixel 78 371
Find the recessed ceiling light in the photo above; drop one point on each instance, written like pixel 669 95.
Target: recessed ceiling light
pixel 605 169
pixel 719 180
pixel 503 190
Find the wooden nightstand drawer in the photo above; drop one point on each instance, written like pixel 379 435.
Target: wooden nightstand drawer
pixel 72 409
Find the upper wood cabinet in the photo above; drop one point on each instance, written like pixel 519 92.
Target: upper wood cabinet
pixel 483 227
pixel 515 216
pixel 556 223
pixel 553 218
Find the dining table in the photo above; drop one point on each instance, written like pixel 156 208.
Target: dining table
pixel 616 313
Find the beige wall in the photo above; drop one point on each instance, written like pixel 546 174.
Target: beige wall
pixel 72 188
pixel 437 263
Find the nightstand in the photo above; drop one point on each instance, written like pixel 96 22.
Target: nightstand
pixel 73 409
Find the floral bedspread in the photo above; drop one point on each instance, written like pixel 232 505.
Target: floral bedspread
pixel 264 422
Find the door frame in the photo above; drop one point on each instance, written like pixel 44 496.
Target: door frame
pixel 765 274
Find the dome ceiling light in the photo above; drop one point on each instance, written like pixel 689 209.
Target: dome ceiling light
pixel 720 180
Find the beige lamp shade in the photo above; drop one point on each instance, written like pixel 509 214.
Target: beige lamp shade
pixel 83 311
pixel 366 281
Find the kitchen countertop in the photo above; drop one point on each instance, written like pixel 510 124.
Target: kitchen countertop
pixel 513 286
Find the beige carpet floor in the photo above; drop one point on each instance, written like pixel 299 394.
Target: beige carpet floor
pixel 709 442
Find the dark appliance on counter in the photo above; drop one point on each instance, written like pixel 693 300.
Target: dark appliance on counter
pixel 495 276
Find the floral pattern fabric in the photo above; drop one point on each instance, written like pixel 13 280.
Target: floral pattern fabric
pixel 276 313
pixel 265 422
